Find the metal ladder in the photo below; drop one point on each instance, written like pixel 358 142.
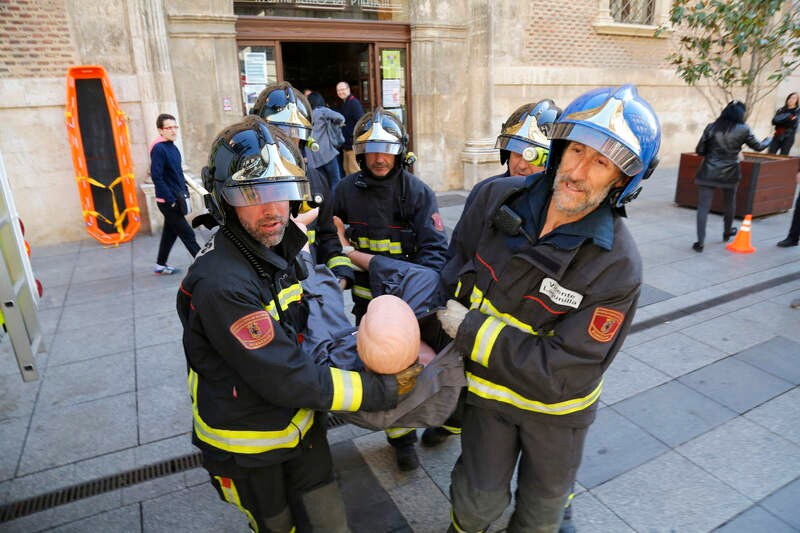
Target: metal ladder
pixel 19 299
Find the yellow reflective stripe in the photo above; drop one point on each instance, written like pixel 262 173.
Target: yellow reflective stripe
pixel 292 293
pixel 248 441
pixel 339 260
pixel 380 245
pixel 270 308
pixel 486 307
pixel 362 292
pixel 454 522
pixel 394 433
pixel 492 391
pixel 231 495
pixel 453 429
pixel 458 289
pixel 312 236
pixel 348 390
pixel 485 339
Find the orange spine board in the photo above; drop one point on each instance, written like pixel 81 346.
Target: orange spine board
pixel 119 129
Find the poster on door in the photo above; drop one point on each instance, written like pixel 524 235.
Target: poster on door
pixel 391 93
pixel 390 63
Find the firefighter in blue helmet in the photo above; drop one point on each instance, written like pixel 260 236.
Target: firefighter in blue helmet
pixel 524 144
pixel 389 212
pixel 285 107
pixel 545 279
pixel 255 394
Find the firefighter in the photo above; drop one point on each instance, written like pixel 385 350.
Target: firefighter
pixel 254 392
pixel 390 212
pixel 283 106
pixel 546 278
pixel 524 145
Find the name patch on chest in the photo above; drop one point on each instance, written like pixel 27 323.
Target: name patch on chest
pixel 559 294
pixel 254 331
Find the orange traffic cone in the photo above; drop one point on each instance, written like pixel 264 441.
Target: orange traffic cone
pixel 741 244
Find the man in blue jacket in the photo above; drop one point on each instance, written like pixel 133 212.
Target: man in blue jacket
pixel 171 193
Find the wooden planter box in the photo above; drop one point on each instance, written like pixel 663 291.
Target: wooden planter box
pixel 767 186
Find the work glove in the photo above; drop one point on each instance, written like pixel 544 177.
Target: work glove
pixel 407 379
pixel 451 317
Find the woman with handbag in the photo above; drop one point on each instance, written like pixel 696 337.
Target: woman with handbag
pixel 720 145
pixel 326 127
pixel 172 195
pixel 785 122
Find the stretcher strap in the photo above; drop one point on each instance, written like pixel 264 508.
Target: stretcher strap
pixel 119 216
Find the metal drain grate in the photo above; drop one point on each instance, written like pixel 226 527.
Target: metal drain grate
pixel 15 510
pixel 88 489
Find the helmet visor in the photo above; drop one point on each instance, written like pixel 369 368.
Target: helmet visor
pixel 266 192
pixel 377 147
pixel 516 144
pixel 622 156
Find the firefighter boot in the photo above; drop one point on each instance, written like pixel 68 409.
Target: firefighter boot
pixel 407 459
pixel 435 436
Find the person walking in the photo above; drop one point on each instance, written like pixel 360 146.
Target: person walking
pixel 254 391
pixel 542 307
pixel 324 121
pixel 785 122
pixel 352 112
pixel 172 195
pixel 720 145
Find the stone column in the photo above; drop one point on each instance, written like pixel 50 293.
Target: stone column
pixel 479 157
pixel 204 58
pixel 150 48
pixel 439 72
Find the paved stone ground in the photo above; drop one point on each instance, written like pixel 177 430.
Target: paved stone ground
pixel 699 427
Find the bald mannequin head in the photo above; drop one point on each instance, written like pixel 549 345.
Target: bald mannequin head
pixel 388 335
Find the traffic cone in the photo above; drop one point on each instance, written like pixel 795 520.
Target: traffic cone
pixel 741 244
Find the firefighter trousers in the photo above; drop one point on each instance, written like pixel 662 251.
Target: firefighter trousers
pixel 491 442
pixel 299 493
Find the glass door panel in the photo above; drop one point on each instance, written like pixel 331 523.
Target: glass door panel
pixel 392 89
pixel 258 67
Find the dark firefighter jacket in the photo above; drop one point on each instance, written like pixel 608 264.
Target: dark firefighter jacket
pixel 546 319
pixel 325 246
pixel 253 389
pixel 396 217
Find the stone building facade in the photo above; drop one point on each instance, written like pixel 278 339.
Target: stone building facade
pixel 471 62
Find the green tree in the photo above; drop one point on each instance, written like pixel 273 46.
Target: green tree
pixel 735 46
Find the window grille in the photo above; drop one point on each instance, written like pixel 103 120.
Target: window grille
pixel 632 11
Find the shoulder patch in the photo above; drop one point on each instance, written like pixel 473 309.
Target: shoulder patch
pixel 604 324
pixel 438 225
pixel 254 331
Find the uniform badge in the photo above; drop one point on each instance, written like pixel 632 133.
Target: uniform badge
pixel 438 225
pixel 604 324
pixel 254 330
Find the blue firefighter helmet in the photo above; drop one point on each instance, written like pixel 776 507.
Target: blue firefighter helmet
pixel 253 163
pixel 527 131
pixel 619 124
pixel 283 106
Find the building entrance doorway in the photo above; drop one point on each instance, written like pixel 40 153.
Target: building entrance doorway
pixel 317 54
pixel 320 66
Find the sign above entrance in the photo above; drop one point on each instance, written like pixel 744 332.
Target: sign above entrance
pixel 391 10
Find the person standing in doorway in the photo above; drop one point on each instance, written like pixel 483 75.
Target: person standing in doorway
pixel 325 121
pixel 352 111
pixel 172 195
